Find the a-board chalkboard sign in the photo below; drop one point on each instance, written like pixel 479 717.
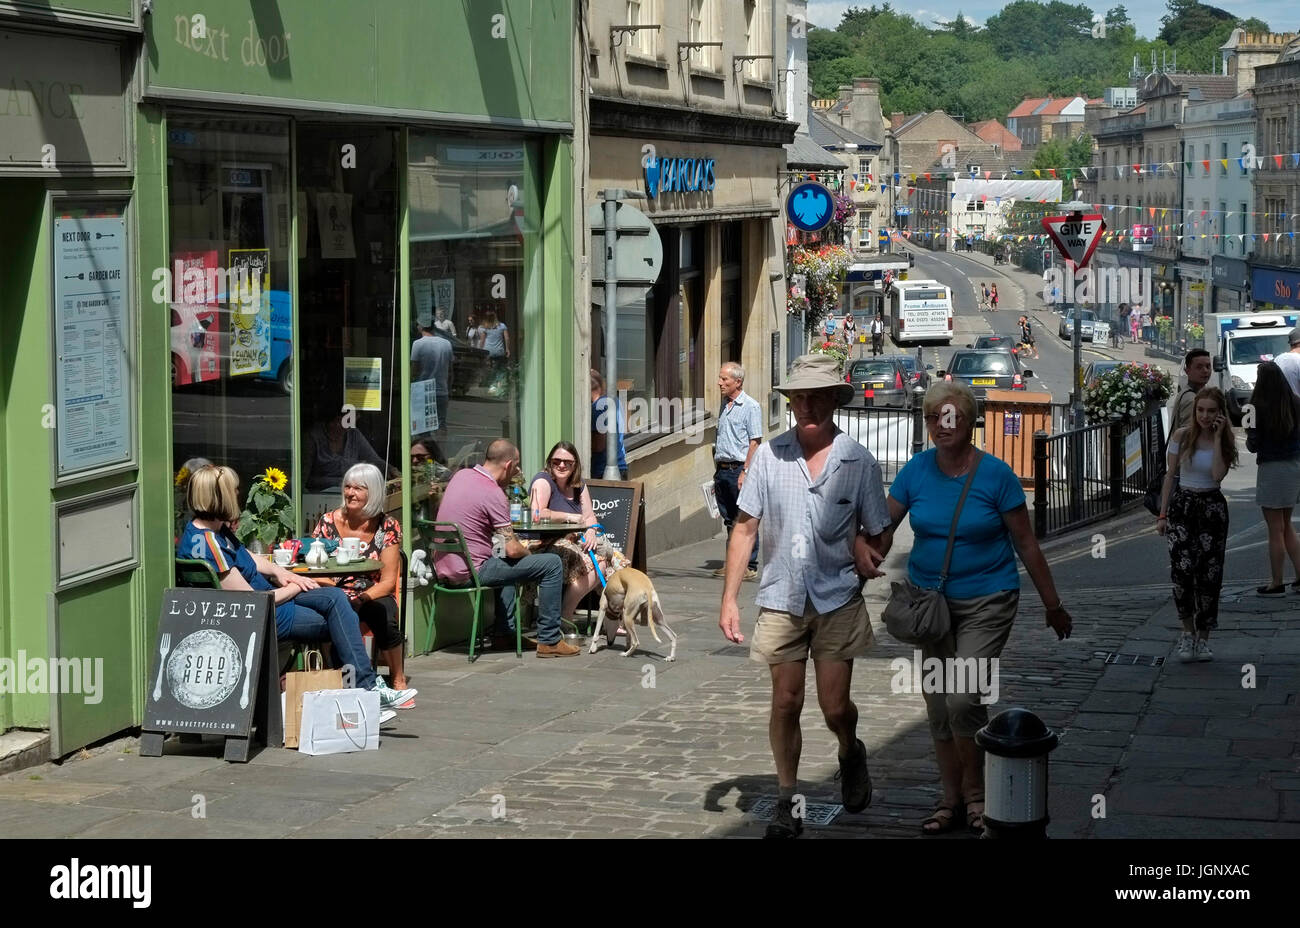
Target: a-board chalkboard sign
pixel 214 660
pixel 621 511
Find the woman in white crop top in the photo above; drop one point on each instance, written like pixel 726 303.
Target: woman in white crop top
pixel 1194 517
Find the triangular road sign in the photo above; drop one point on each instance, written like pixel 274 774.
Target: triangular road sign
pixel 1076 236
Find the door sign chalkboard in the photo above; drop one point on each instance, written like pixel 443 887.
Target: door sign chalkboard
pixel 619 509
pixel 214 659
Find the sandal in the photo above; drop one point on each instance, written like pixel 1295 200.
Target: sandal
pixel 944 817
pixel 975 818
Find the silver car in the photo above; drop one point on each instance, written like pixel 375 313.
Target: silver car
pixel 1087 320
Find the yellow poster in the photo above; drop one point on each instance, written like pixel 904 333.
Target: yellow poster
pixel 363 380
pixel 249 300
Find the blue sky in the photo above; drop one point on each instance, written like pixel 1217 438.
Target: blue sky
pixel 1282 15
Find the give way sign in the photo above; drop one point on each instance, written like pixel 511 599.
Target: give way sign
pixel 1075 236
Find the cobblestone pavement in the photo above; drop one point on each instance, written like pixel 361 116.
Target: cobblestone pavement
pixel 603 746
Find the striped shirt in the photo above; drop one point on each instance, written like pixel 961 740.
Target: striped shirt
pixel 809 526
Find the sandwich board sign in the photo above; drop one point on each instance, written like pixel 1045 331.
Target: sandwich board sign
pixel 1075 236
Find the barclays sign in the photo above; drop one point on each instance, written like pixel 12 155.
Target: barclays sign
pixel 679 175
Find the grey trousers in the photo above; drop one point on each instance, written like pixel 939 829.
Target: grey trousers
pixel 980 628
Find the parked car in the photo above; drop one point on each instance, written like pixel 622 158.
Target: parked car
pixel 200 343
pixel 985 369
pixel 1096 368
pixel 916 376
pixel 882 380
pixel 1087 318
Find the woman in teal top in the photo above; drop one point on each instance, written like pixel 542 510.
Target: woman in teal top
pixel 983 586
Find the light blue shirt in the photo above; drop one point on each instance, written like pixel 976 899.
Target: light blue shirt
pixel 738 423
pixel 983 558
pixel 809 527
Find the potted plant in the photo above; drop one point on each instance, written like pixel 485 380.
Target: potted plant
pixel 1165 324
pixel 267 518
pixel 1126 392
pixel 1194 330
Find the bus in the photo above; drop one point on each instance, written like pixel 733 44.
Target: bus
pixel 919 311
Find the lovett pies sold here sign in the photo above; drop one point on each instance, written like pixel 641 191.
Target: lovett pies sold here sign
pixel 1075 236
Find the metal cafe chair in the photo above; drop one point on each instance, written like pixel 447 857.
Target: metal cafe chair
pixel 446 538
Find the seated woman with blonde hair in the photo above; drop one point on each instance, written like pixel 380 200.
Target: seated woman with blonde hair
pixel 559 494
pixel 304 609
pixel 374 599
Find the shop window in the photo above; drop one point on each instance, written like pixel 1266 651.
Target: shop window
pixel 469 236
pixel 349 404
pixel 227 288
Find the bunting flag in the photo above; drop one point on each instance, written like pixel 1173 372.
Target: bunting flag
pixel 1277 159
pixel 1224 162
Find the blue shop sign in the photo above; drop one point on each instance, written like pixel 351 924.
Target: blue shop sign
pixel 810 207
pixel 1281 288
pixel 679 175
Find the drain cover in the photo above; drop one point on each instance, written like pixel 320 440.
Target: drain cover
pixel 815 813
pixel 1129 660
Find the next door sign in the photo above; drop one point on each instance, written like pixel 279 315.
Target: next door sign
pixel 1075 236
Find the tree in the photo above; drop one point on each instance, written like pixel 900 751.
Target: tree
pixel 1116 17
pixel 1187 21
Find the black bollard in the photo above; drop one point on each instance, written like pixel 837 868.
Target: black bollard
pixel 1016 743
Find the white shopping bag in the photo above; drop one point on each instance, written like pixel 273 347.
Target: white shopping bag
pixel 339 721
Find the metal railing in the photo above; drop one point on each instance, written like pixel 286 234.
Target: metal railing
pixel 1081 476
pixel 891 435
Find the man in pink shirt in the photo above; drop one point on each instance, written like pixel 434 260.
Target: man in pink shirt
pixel 475 500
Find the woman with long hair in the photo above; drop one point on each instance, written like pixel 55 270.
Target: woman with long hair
pixel 559 493
pixel 1275 440
pixel 1194 517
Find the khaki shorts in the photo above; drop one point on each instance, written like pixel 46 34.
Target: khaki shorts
pixel 842 635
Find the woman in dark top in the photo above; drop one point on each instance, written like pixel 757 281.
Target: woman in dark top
pixel 1275 440
pixel 559 494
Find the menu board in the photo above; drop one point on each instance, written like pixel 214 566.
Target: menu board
pixel 91 341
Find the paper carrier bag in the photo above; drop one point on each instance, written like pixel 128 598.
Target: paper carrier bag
pixel 339 721
pixel 303 681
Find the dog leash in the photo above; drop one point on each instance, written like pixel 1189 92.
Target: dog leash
pixel 592 554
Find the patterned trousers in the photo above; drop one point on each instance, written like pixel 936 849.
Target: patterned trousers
pixel 1198 536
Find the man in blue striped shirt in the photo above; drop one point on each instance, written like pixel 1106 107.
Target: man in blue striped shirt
pixel 740 430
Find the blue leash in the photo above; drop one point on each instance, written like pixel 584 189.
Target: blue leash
pixel 592 555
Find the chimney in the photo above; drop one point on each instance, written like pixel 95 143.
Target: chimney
pixel 845 94
pixel 897 119
pixel 867 119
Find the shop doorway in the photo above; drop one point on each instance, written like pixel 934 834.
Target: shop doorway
pixel 349 398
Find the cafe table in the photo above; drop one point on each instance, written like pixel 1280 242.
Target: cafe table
pixel 332 568
pixel 549 528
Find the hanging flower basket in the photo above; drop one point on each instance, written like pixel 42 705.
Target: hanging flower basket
pixel 823 270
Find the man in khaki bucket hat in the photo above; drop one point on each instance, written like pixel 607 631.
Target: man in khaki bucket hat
pixel 819 499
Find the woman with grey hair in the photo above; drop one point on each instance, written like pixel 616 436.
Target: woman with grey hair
pixel 982 586
pixel 362 516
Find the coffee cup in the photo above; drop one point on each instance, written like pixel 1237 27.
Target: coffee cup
pixel 283 556
pixel 352 546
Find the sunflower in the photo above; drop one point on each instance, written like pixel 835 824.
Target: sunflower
pixel 182 475
pixel 276 479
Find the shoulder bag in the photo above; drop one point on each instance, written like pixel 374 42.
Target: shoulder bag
pixel 915 615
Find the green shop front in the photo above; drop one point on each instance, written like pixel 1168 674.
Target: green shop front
pixel 302 203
